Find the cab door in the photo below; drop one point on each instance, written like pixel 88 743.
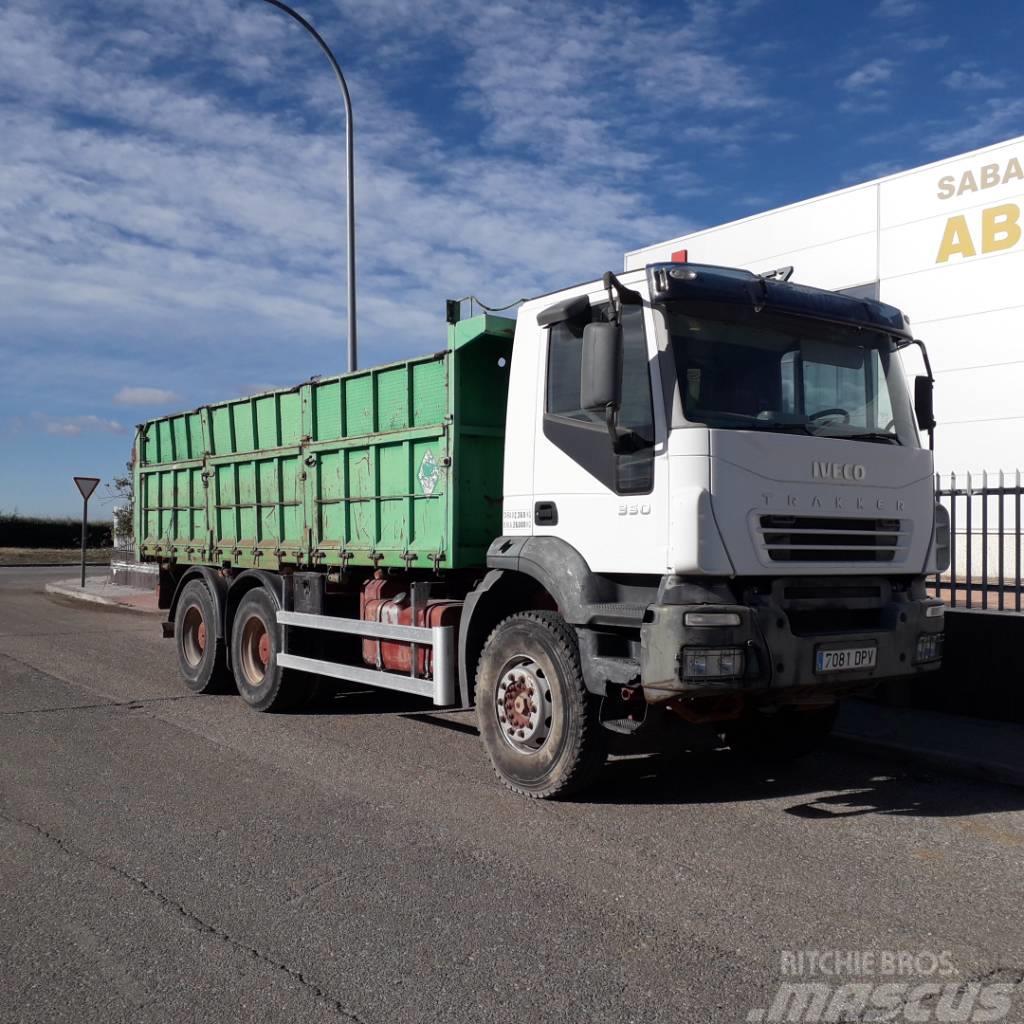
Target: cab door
pixel 601 503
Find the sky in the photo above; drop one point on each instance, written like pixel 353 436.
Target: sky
pixel 172 215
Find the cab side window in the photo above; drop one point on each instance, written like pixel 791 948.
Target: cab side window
pixel 565 357
pixel 581 433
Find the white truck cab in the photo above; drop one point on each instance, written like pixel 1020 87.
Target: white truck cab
pixel 719 479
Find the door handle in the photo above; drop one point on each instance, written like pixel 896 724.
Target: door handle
pixel 545 513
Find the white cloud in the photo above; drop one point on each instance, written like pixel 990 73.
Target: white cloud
pixel 868 172
pixel 144 396
pixel 866 87
pixel 969 79
pixel 869 76
pixel 989 122
pixel 753 201
pixel 79 424
pixel 897 8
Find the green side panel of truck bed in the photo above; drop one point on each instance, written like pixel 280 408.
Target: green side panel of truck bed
pixel 399 465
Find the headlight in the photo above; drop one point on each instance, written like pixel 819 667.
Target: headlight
pixel 941 538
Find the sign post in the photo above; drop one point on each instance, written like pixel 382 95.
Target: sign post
pixel 86 485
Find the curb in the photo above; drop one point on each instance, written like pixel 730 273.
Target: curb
pixel 72 590
pixel 948 763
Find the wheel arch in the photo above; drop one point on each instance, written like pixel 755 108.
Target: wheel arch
pixel 501 593
pixel 558 568
pixel 215 583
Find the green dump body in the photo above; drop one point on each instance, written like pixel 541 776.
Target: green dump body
pixel 399 465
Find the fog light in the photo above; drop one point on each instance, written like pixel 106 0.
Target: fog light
pixel 712 662
pixel 712 618
pixel 929 647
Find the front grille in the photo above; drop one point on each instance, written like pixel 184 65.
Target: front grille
pixel 829 539
pixel 811 622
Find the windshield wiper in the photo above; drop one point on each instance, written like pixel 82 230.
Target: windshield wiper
pixel 877 436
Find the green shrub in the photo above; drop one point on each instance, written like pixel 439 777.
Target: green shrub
pixel 17 531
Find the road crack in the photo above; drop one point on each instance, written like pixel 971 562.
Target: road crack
pixel 1000 974
pixel 105 698
pixel 193 920
pixel 136 703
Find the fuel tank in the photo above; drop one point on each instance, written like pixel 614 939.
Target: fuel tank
pixel 387 599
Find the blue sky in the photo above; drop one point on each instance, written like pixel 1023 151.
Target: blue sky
pixel 171 204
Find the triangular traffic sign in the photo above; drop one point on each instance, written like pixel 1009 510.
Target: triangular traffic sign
pixel 86 485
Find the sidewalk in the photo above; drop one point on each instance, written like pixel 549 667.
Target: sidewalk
pixel 975 747
pixel 100 590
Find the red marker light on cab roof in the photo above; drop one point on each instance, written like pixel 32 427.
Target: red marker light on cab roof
pixel 680 256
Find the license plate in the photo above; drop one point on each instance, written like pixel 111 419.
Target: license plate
pixel 846 659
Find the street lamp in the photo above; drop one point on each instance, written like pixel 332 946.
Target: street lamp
pixel 349 176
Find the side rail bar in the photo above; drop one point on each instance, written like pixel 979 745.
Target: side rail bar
pixel 441 639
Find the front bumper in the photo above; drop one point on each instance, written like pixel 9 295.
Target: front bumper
pixel 780 640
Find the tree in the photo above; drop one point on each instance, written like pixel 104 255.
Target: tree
pixel 121 490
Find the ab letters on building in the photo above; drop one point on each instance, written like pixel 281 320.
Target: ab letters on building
pixel 990 230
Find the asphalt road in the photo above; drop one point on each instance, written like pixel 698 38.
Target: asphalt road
pixel 169 857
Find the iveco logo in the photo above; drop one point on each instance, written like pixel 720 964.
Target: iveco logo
pixel 837 471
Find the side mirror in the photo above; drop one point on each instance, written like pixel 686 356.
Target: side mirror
pixel 923 404
pixel 600 368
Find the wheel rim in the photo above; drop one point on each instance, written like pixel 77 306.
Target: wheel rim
pixel 193 636
pixel 255 650
pixel 522 705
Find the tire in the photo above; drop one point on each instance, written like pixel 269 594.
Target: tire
pixel 254 648
pixel 200 651
pixel 531 665
pixel 785 736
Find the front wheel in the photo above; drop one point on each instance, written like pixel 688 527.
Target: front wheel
pixel 537 720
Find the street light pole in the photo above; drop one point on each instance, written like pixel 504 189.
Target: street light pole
pixel 349 176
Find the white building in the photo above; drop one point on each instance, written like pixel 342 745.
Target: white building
pixel 942 242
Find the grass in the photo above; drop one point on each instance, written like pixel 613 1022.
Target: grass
pixel 53 556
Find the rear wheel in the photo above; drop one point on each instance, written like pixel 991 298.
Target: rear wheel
pixel 537 720
pixel 261 683
pixel 200 651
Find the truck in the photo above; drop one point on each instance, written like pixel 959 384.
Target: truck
pixel 681 507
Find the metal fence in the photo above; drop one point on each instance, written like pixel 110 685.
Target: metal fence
pixel 124 541
pixel 123 550
pixel 985 542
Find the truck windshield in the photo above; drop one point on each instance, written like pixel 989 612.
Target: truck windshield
pixel 789 375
